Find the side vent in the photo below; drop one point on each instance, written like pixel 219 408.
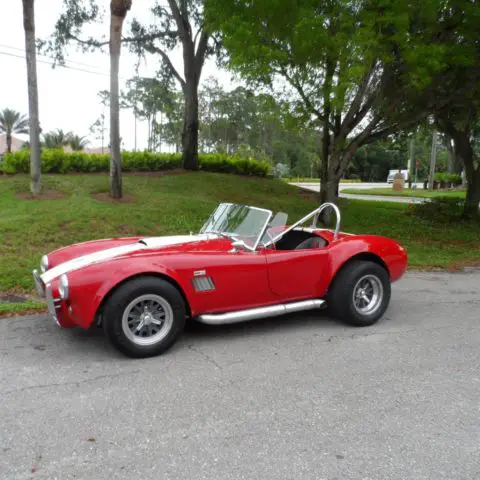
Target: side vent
pixel 203 284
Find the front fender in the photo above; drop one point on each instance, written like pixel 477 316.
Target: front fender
pixel 91 286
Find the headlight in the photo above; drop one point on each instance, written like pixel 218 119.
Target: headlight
pixel 63 287
pixel 44 264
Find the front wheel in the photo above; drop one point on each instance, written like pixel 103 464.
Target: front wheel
pixel 360 293
pixel 144 317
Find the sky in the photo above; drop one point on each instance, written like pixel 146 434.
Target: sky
pixel 68 96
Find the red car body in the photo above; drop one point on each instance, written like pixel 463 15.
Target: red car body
pixel 212 277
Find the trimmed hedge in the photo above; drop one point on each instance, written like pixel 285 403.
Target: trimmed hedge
pixel 58 161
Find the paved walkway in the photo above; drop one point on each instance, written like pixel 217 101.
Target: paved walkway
pixel 315 187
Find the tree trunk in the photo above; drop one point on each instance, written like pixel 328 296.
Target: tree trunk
pixel 9 143
pixel 464 150
pixel 472 200
pixel 324 165
pixel 450 154
pixel 116 24
pixel 327 184
pixel 190 127
pixel 34 127
pixel 160 133
pixel 328 181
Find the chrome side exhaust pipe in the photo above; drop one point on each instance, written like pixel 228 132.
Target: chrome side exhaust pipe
pixel 263 312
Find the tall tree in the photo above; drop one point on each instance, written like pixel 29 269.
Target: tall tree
pixel 12 122
pixel 182 24
pixel 148 97
pixel 178 23
pixel 77 143
pixel 362 70
pixel 98 128
pixel 118 12
pixel 461 122
pixel 56 138
pixel 31 57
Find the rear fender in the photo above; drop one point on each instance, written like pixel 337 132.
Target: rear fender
pixel 383 251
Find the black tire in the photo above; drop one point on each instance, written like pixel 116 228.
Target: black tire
pixel 341 295
pixel 126 295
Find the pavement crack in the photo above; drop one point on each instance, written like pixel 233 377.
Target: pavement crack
pixel 205 356
pixel 354 336
pixel 62 384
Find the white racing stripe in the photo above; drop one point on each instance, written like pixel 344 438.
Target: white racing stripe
pixel 107 254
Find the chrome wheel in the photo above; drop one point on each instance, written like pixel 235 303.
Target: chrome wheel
pixel 147 320
pixel 368 295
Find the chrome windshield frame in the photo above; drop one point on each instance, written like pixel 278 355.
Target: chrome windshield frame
pixel 262 231
pixel 315 214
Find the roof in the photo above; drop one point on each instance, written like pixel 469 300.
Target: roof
pixel 97 150
pixel 16 143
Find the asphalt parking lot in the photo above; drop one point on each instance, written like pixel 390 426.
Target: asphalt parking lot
pixel 299 397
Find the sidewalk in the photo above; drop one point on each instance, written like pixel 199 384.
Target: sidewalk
pixel 315 187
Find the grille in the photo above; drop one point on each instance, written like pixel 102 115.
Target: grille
pixel 203 284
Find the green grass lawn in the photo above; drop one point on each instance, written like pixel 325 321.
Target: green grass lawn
pixel 7 309
pixel 406 193
pixel 178 204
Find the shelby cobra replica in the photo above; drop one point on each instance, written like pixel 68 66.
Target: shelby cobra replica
pixel 244 264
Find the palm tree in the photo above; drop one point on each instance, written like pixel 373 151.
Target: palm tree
pixel 118 12
pixel 12 122
pixel 34 122
pixel 77 142
pixel 57 138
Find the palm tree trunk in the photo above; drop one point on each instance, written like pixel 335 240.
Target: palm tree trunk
pixel 9 142
pixel 31 56
pixel 118 10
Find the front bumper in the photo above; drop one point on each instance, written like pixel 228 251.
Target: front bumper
pixel 56 307
pixel 54 304
pixel 39 285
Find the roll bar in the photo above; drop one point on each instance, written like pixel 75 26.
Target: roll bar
pixel 315 215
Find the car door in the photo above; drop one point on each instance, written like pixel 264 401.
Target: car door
pixel 296 274
pixel 235 280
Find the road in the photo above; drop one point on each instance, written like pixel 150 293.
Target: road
pixel 315 187
pixel 299 397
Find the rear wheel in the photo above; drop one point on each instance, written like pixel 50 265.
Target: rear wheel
pixel 360 293
pixel 144 317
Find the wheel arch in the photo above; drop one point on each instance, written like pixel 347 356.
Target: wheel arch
pixel 116 286
pixel 362 256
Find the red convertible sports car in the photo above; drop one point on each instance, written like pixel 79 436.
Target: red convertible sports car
pixel 244 264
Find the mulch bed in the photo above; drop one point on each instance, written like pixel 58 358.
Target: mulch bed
pixel 105 197
pixel 12 298
pixel 24 313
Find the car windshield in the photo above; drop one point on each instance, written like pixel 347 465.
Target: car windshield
pixel 238 222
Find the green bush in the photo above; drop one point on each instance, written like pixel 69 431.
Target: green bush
pixel 453 178
pixel 448 178
pixel 438 209
pixel 58 161
pixel 217 162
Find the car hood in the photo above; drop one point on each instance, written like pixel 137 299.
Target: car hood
pixel 104 251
